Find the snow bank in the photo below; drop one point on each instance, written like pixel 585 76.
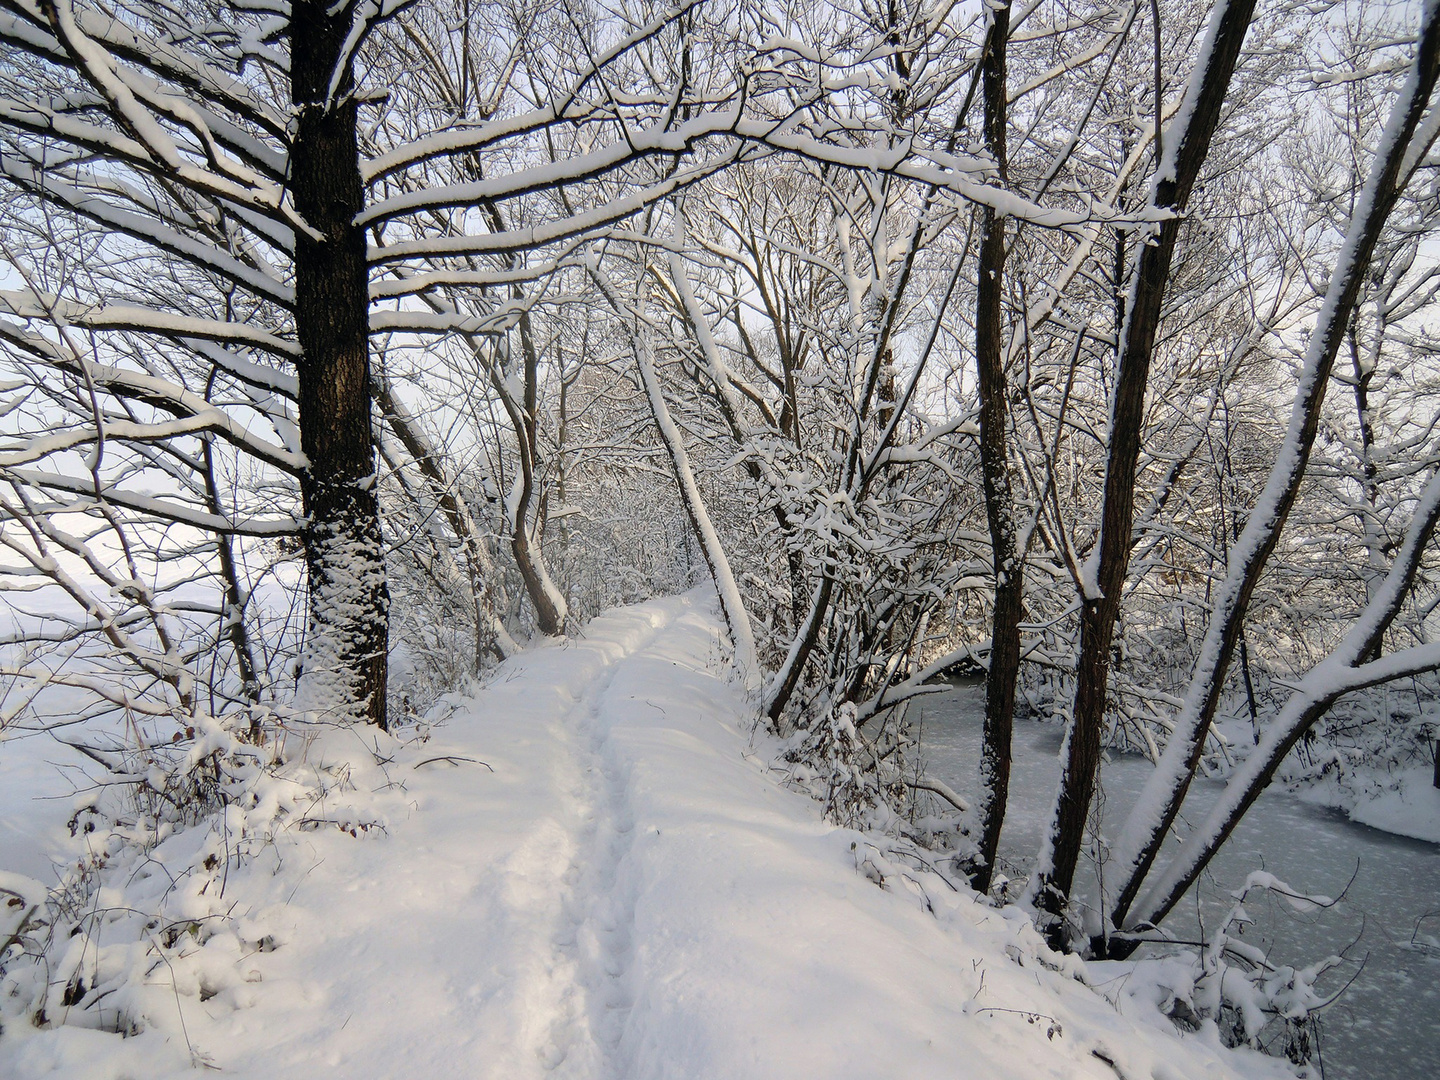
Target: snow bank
pixel 1409 805
pixel 587 871
pixel 1404 802
pixel 1384 783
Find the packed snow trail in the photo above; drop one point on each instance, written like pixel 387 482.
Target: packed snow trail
pixel 621 891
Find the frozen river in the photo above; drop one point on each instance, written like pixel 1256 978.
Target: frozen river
pixel 1386 1026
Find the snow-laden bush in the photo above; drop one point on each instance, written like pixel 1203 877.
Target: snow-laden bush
pixel 1228 985
pixel 860 782
pixel 142 918
pixel 1368 737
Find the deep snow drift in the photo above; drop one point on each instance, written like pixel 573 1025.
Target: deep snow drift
pixel 588 870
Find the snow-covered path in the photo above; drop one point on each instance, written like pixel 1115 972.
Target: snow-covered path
pixel 620 891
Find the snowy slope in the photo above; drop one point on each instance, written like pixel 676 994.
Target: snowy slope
pixel 621 890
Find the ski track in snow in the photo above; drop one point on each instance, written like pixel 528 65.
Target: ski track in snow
pixel 619 894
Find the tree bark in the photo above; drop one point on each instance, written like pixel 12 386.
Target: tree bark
pixel 1105 580
pixel 995 473
pixel 1160 800
pixel 343 668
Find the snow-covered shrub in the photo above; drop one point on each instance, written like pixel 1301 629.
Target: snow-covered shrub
pixel 860 782
pixel 142 917
pixel 1368 737
pixel 1228 985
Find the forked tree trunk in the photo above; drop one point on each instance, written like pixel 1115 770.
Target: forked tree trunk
pixel 343 672
pixel 1105 576
pixel 994 466
pixel 1399 149
pixel 1344 670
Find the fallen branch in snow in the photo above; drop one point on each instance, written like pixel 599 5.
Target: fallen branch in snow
pixel 940 788
pixel 454 759
pixel 1034 1018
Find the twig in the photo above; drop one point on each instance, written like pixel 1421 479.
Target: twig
pixel 454 759
pixel 20 929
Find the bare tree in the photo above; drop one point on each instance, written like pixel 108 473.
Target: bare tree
pixel 1103 577
pixel 1403 146
pixel 324 235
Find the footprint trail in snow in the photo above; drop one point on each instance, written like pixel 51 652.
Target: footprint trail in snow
pixel 620 893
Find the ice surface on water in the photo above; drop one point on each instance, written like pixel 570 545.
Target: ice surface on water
pixel 1386 1026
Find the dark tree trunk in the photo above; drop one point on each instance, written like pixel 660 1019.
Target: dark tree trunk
pixel 1383 191
pixel 344 662
pixel 994 467
pixel 1370 473
pixel 1101 603
pixel 1249 689
pixel 806 637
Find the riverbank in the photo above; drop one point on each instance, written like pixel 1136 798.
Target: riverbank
pixel 1386 1023
pixel 589 870
pixel 1404 802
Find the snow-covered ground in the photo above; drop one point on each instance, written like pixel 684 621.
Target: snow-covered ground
pixel 589 870
pixel 33 807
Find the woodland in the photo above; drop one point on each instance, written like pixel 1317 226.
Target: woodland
pixel 349 350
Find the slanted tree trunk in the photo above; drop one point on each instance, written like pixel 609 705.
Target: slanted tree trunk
pixel 732 605
pixel 995 472
pixel 490 634
pixel 1160 800
pixel 1104 579
pixel 343 673
pixel 1344 670
pixel 524 523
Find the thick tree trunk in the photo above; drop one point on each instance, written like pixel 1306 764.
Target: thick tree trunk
pixel 343 675
pixel 1105 576
pixel 995 472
